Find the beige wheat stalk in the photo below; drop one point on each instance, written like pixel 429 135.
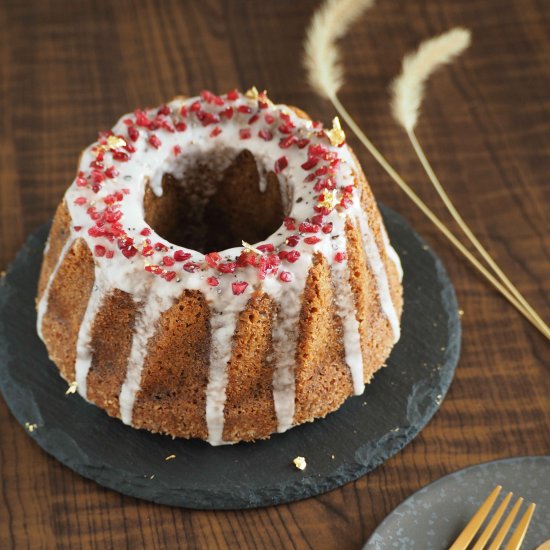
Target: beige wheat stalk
pixel 407 94
pixel 326 76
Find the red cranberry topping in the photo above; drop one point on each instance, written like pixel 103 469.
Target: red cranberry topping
pixel 270 119
pixel 267 247
pixel 310 163
pixel 290 223
pixel 191 267
pixel 215 131
pixel 307 227
pixel 154 141
pixel 293 240
pixel 340 256
pixel 121 156
pixel 181 126
pixel 280 164
pixel 99 250
pixel 245 133
pixel 168 275
pixel 266 135
pixel 228 267
pixel 239 287
pixel 145 232
pixel 129 251
pixel 287 142
pixel 327 228
pixel 244 109
pixel 181 256
pixel 232 95
pixel 195 106
pixel 81 180
pixel 292 256
pixel 167 261
pixel 227 113
pixel 253 118
pixel 111 172
pixel 212 259
pixel 77 227
pixel 156 269
pixel 285 276
pixel 109 254
pixel 207 118
pixel 80 200
pixel 176 150
pixel 133 133
pixel 212 281
pixel 209 97
pixel 312 240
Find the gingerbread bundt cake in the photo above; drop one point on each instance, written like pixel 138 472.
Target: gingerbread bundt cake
pixel 153 305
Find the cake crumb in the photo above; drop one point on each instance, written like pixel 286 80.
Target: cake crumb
pixel 30 427
pixel 170 457
pixel 72 388
pixel 300 462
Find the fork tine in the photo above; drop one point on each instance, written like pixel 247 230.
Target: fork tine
pixel 491 526
pixel 521 529
pixel 506 525
pixel 468 533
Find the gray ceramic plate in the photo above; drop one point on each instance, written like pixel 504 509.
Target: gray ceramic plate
pixel 434 516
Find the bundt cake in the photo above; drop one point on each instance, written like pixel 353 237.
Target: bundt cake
pixel 155 307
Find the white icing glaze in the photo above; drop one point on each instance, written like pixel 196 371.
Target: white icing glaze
pixel 391 253
pixel 346 310
pixel 376 265
pixel 83 343
pixel 150 161
pixel 42 306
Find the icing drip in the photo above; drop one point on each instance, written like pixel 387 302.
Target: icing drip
pixel 222 325
pixel 144 329
pixel 376 265
pixel 346 310
pixel 391 253
pixel 284 342
pixel 42 307
pixel 83 344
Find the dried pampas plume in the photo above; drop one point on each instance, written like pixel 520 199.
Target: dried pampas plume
pixel 322 58
pixel 407 94
pixel 408 87
pixel 326 76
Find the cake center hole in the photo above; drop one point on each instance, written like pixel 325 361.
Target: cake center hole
pixel 212 209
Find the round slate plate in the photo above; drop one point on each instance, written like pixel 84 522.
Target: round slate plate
pixel 433 517
pixel 362 434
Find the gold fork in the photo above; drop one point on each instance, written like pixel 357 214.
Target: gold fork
pixel 474 525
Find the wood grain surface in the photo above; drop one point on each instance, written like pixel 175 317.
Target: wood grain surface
pixel 70 68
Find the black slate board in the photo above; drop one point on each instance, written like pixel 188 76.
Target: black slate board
pixel 347 444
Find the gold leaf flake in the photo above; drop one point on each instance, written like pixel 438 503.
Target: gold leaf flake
pixel 114 142
pixel 252 93
pixel 30 427
pixel 330 200
pixel 250 248
pixel 72 387
pixel 170 457
pixel 300 462
pixel 336 135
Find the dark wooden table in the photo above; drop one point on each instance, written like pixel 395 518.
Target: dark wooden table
pixel 69 68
